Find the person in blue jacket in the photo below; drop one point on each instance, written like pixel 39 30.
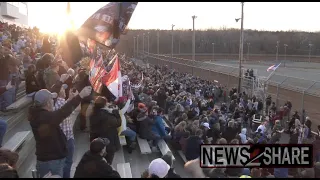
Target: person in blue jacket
pixel 159 127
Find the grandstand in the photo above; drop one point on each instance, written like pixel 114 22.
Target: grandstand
pixel 14 13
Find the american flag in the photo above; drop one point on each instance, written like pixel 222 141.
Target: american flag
pixel 97 71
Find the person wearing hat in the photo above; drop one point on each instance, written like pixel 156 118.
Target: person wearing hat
pixel 51 143
pixel 93 164
pixel 66 127
pixel 158 168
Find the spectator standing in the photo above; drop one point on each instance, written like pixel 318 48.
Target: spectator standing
pixel 104 122
pixel 51 143
pixel 67 129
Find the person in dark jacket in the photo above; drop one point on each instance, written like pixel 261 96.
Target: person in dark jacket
pixel 32 84
pixel 51 143
pixel 192 146
pixel 104 122
pixel 93 164
pixel 42 64
pixel 168 158
pixel 144 128
pixel 230 132
pixel 82 80
pixel 46 45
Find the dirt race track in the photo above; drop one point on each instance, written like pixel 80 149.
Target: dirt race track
pixel 292 89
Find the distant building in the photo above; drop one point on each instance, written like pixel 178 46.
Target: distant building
pixel 14 13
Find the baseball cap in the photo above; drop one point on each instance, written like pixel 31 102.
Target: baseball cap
pixel 43 95
pixel 98 144
pixel 159 168
pixel 206 125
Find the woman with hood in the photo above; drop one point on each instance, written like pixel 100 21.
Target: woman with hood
pixel 243 135
pixel 104 122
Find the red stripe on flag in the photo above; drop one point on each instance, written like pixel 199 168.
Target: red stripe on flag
pixel 113 74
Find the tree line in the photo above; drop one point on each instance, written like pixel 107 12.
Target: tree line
pixel 225 41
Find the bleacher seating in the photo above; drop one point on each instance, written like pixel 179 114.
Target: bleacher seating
pixel 144 146
pixel 21 103
pixel 183 157
pixel 164 147
pixel 124 170
pixel 22 143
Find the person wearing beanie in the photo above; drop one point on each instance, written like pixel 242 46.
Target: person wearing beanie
pixel 93 163
pixel 168 158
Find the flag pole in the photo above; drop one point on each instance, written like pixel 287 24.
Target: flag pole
pixel 264 86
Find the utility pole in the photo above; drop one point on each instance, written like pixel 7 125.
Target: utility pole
pixel 137 46
pixel 148 43
pixel 134 47
pixel 143 43
pixel 158 35
pixel 285 54
pixel 277 51
pixel 212 51
pixel 241 50
pixel 248 53
pixel 310 46
pixel 193 39
pixel 172 41
pixel 179 46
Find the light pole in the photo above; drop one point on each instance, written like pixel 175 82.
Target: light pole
pixel 143 43
pixel 172 41
pixel 179 46
pixel 212 51
pixel 148 43
pixel 158 35
pixel 134 47
pixel 285 54
pixel 241 50
pixel 277 53
pixel 248 52
pixel 310 46
pixel 137 46
pixel 193 39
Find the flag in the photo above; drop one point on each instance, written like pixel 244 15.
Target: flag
pixel 113 79
pixel 106 25
pixel 273 67
pixel 97 71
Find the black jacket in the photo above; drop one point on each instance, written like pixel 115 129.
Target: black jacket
pixel 51 143
pixel 32 84
pixel 94 166
pixel 144 125
pixel 193 147
pixel 104 124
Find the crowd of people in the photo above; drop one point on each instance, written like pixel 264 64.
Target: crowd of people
pixel 183 110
